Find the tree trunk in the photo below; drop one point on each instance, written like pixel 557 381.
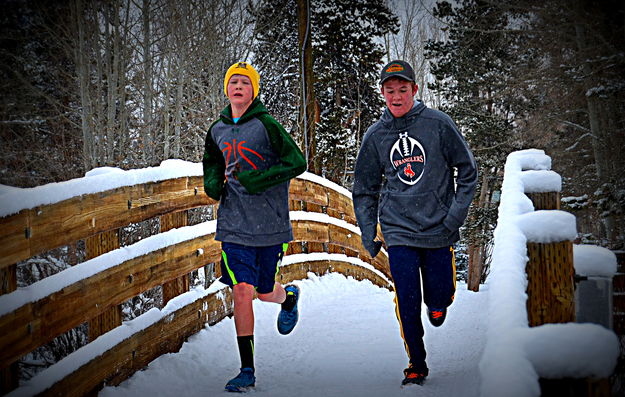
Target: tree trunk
pixel 181 63
pixel 111 78
pixel 599 127
pixel 98 90
pixel 477 251
pixel 307 113
pixel 82 70
pixel 475 269
pixel 147 84
pixel 167 111
pixel 178 109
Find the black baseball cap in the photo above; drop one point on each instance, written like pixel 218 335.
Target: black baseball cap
pixel 400 69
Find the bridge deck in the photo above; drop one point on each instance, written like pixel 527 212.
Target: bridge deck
pixel 346 344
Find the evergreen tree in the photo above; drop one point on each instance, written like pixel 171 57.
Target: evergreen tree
pixel 38 130
pixel 576 81
pixel 347 65
pixel 276 57
pixel 347 59
pixel 473 74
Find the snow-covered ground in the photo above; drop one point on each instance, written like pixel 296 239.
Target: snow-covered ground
pixel 348 340
pixel 347 343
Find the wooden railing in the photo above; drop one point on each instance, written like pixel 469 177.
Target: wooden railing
pixel 532 299
pixel 29 320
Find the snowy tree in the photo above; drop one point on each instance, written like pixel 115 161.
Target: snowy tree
pixel 417 26
pixel 472 70
pixel 38 128
pixel 576 82
pixel 276 56
pixel 347 58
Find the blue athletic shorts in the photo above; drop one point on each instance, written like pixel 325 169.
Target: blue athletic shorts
pixel 257 266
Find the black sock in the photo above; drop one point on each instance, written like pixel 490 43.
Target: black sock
pixel 289 302
pixel 246 350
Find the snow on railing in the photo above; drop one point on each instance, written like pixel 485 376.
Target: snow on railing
pixel 13 200
pixel 335 220
pixel 516 355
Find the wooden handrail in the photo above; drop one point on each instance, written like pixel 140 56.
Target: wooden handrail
pixel 34 231
pixel 35 322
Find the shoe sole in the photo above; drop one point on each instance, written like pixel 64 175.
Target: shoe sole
pixel 288 331
pixel 408 384
pixel 239 389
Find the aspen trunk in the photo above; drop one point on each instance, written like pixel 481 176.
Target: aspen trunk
pixel 307 112
pixel 147 84
pixel 82 69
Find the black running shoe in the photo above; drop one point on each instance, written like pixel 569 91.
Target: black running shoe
pixel 414 376
pixel 437 316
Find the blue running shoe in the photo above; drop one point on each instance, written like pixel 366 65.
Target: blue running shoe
pixel 242 382
pixel 287 319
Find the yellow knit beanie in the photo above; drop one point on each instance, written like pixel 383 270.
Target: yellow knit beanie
pixel 244 69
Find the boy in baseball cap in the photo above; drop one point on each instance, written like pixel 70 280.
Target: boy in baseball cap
pixel 399 69
pixel 404 179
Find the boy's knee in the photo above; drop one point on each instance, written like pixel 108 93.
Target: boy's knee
pixel 243 291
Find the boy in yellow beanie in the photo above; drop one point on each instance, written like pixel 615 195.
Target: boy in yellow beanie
pixel 243 69
pixel 249 159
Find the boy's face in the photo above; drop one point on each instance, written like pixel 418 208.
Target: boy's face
pixel 240 90
pixel 398 94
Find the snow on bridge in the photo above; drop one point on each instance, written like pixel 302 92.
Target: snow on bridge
pixel 347 343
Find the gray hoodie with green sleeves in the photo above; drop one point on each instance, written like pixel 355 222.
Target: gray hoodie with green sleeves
pixel 247 167
pixel 404 176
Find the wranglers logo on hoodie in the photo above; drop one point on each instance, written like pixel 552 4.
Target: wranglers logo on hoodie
pixel 408 158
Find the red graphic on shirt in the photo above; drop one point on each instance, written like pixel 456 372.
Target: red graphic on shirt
pixel 238 150
pixel 408 171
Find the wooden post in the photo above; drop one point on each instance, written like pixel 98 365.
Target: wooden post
pixel 551 299
pixel 550 271
pixel 97 245
pixel 9 376
pixel 545 201
pixel 180 285
pixel 618 319
pixel 550 288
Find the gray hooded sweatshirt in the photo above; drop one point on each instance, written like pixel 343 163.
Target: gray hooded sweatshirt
pixel 404 176
pixel 247 167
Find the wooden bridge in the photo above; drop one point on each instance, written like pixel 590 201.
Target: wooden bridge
pixel 29 321
pixel 92 292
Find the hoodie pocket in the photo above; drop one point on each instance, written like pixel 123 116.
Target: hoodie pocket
pixel 420 212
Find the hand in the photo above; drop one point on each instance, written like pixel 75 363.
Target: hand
pixel 373 247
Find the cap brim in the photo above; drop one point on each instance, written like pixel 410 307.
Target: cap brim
pixel 398 76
